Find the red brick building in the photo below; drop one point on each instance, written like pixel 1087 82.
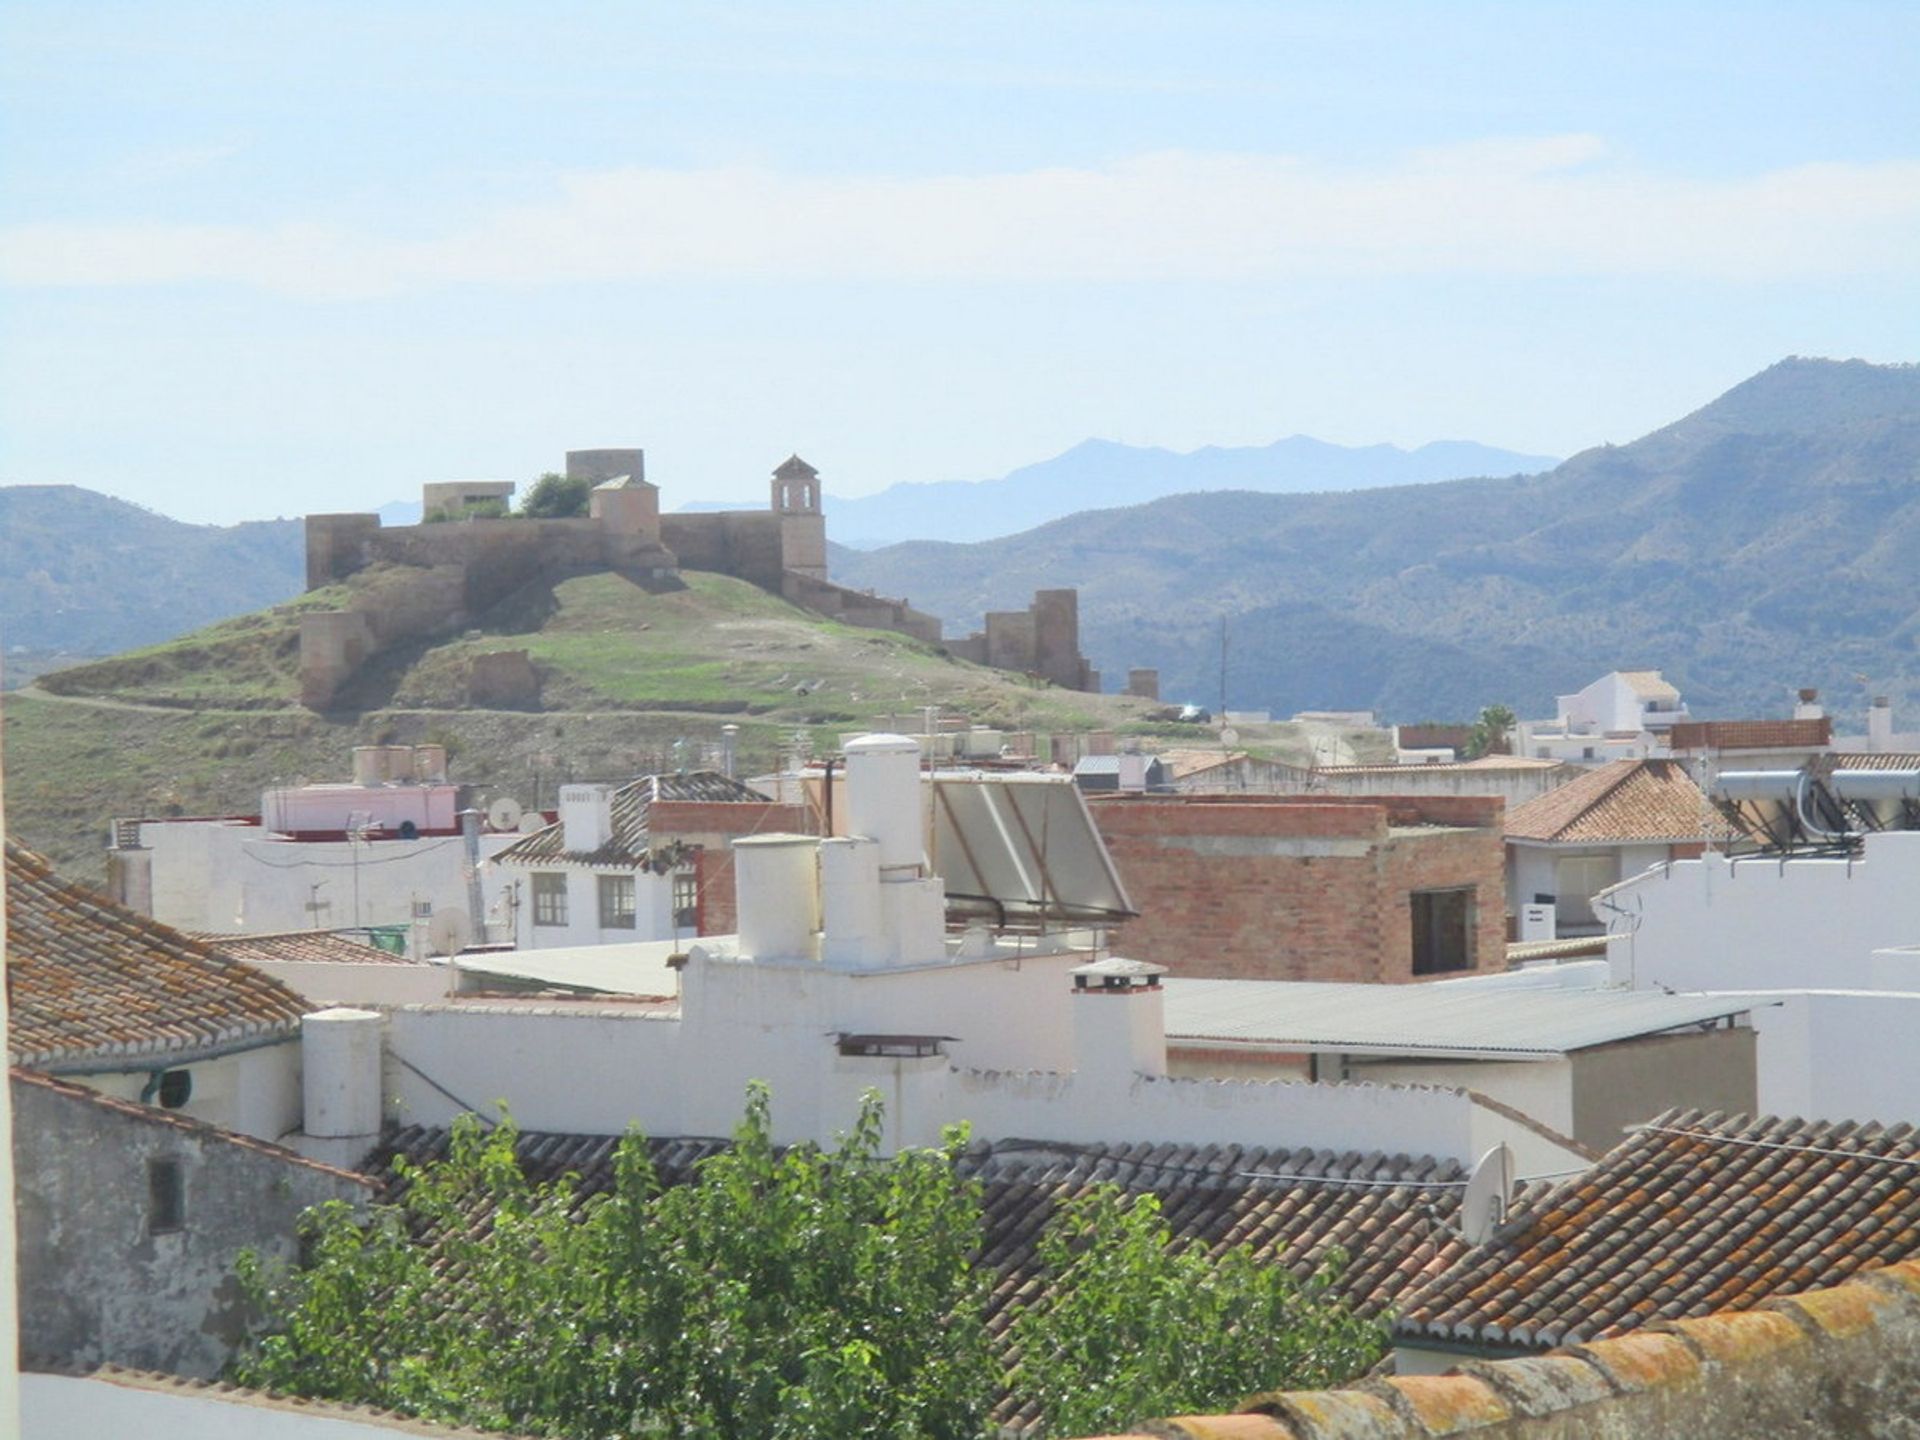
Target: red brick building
pixel 1311 887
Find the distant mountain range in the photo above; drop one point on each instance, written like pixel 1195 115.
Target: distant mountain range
pixel 1098 473
pixel 84 573
pixel 1768 540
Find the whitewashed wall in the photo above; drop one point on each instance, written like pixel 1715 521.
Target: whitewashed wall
pixel 255 1092
pixel 1761 923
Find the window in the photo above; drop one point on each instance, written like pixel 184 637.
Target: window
pixel 166 1196
pixel 176 1088
pixel 616 902
pixel 686 900
pixel 1580 878
pixel 549 899
pixel 1442 931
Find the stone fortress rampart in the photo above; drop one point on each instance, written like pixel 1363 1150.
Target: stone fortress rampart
pixel 419 581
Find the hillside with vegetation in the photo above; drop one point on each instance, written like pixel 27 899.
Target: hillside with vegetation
pixel 632 680
pixel 85 574
pixel 1763 542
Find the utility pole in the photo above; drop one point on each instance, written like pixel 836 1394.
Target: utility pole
pixel 1222 715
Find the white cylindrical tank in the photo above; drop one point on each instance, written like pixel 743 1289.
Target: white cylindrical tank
pixel 884 797
pixel 340 1072
pixel 777 894
pixel 915 915
pixel 369 764
pixel 851 929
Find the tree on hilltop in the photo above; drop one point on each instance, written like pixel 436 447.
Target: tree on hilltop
pixel 557 497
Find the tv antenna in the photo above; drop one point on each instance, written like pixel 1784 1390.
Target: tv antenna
pixel 504 813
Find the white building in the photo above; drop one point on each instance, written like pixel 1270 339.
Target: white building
pixel 1568 845
pixel 389 849
pixel 1820 938
pixel 642 861
pixel 1556 1042
pixel 844 977
pixel 1623 715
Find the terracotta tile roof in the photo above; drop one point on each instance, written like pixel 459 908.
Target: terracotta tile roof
pixel 91 983
pixel 1623 800
pixel 1751 734
pixel 628 845
pixel 173 1119
pixel 1870 760
pixel 1781 1369
pixel 1694 1213
pixel 325 947
pixel 1287 1203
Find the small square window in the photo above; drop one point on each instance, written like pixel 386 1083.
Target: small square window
pixel 616 902
pixel 549 899
pixel 166 1196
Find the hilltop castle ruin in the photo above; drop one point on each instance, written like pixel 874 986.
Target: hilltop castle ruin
pixel 434 577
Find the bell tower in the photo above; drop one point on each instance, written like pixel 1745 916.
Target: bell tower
pixel 803 529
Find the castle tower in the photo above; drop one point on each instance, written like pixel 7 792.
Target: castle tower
pixel 796 488
pixel 795 500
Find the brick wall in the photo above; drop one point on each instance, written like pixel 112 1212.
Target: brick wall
pixel 1297 889
pixel 713 826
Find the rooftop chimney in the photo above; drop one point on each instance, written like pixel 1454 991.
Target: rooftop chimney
pixel 1880 724
pixel 586 817
pixel 1119 1019
pixel 1809 706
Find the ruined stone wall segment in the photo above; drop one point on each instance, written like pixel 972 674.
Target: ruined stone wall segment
pixel 338 545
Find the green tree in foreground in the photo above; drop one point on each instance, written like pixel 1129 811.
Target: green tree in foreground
pixel 794 1294
pixel 1135 1326
pixel 779 1295
pixel 1490 731
pixel 557 497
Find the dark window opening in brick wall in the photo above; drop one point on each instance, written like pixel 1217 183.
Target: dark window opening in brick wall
pixel 1442 931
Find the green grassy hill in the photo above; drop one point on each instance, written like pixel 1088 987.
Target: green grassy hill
pixel 200 724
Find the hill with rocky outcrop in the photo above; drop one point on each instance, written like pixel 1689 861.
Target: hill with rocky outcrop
pixel 1765 541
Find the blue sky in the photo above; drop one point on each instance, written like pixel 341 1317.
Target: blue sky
pixel 264 259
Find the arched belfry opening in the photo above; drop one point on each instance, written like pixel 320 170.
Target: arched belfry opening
pixel 796 488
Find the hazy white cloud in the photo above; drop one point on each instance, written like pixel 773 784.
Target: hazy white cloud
pixel 1559 205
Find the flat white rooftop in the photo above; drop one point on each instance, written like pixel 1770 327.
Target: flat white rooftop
pixel 1440 1020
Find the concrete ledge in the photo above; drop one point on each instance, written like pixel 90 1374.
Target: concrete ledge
pixel 1844 1360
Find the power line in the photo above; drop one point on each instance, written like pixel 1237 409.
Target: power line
pixel 1758 1144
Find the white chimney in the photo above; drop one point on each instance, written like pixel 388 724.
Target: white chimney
pixel 777 893
pixel 1537 923
pixel 586 817
pixel 1808 707
pixel 1119 1019
pixel 1880 724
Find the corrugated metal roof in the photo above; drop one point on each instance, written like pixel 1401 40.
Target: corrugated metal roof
pixel 1431 1019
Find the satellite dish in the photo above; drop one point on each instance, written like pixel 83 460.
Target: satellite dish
pixel 532 822
pixel 1229 736
pixel 1484 1206
pixel 504 813
pixel 449 932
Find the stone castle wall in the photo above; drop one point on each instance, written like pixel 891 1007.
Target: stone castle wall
pixel 436 577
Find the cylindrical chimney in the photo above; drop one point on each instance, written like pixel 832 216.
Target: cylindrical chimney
pixel 369 762
pixel 777 895
pixel 340 1072
pixel 430 764
pixel 884 797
